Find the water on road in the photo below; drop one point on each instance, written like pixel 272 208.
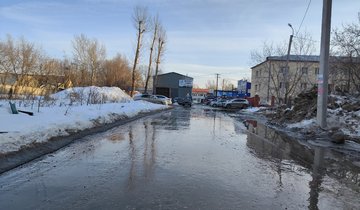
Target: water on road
pixel 194 158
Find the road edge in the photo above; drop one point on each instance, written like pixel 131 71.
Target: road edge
pixel 31 152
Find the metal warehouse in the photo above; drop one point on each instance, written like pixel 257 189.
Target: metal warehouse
pixel 173 85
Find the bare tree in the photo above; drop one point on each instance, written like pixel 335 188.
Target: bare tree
pixel 20 60
pixel 117 72
pixel 161 41
pixel 89 55
pixel 210 84
pixel 140 20
pixel 226 85
pixel 155 28
pixel 345 71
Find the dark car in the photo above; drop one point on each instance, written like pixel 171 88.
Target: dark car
pixel 187 102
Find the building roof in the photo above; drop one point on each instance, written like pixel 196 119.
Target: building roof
pixel 200 90
pixel 175 73
pixel 292 58
pixel 306 58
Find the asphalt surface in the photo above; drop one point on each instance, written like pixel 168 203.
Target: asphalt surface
pixel 186 158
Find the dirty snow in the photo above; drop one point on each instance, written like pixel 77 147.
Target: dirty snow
pixel 64 112
pixel 302 124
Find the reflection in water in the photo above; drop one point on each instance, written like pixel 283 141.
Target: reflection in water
pixel 317 176
pixel 274 147
pixel 174 120
pixel 138 152
pixel 132 155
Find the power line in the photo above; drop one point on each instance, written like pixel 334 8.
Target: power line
pixel 302 21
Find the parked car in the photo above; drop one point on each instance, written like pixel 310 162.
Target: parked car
pixel 145 97
pixel 218 103
pixel 157 99
pixel 208 99
pixel 187 102
pixel 236 103
pixel 164 100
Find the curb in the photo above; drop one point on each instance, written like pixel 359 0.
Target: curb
pixel 26 154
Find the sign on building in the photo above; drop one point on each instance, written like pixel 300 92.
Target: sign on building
pixel 185 83
pixel 242 86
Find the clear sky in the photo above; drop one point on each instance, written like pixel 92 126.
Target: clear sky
pixel 205 37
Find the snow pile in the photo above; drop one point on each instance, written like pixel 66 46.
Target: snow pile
pixel 303 124
pixel 252 109
pixel 92 95
pixel 65 115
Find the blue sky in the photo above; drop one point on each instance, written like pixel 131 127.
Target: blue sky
pixel 204 36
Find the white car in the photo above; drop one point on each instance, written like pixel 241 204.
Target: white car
pixel 237 103
pixel 157 99
pixel 164 100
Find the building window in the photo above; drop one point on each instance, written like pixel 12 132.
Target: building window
pixel 304 70
pixel 281 85
pixel 256 88
pixel 284 70
pixel 303 86
pixel 257 73
pixel 316 71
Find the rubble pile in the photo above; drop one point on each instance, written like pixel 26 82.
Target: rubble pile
pixel 304 107
pixel 343 116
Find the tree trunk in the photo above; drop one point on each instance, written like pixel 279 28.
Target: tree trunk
pixel 136 58
pixel 150 58
pixel 157 64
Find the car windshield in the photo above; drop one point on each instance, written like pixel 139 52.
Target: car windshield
pixel 160 96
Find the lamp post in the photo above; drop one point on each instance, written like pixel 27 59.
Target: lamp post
pixel 290 41
pixel 287 61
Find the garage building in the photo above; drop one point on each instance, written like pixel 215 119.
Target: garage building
pixel 173 85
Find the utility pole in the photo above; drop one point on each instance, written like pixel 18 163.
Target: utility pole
pixel 287 64
pixel 324 65
pixel 217 83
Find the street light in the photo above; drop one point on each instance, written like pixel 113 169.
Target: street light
pixel 289 48
pixel 287 60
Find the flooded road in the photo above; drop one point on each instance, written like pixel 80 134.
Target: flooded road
pixel 194 158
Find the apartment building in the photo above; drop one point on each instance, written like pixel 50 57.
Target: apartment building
pixel 285 79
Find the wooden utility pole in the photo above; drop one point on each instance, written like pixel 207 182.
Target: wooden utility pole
pixel 287 70
pixel 217 83
pixel 324 65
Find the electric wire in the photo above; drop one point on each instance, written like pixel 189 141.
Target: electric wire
pixel 302 21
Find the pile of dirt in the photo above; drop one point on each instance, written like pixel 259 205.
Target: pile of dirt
pixel 304 107
pixel 343 116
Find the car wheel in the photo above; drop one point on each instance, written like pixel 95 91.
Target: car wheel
pixel 228 106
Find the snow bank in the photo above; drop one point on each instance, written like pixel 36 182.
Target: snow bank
pixel 252 109
pixel 302 124
pixel 93 93
pixel 66 115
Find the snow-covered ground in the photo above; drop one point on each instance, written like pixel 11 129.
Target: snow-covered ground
pixel 67 111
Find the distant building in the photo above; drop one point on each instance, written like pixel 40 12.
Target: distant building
pixel 32 83
pixel 173 85
pixel 199 94
pixel 272 77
